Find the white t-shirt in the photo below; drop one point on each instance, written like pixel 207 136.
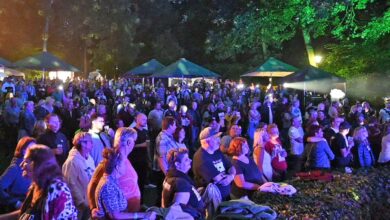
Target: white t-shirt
pixel 296 147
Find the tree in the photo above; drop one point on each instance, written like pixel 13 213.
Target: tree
pixel 104 29
pixel 266 26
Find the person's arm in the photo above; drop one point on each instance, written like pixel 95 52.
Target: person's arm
pixel 70 171
pixel 163 165
pixel 258 156
pixel 293 134
pixel 328 151
pixel 6 179
pixel 162 153
pixel 144 144
pixel 60 202
pixel 10 216
pixel 360 154
pixel 93 184
pixel 239 180
pixel 345 151
pixel 315 139
pixel 127 215
pixel 181 198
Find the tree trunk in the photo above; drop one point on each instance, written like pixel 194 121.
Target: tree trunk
pixel 85 59
pixel 309 48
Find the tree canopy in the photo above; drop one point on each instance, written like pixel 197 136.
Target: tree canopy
pixel 227 36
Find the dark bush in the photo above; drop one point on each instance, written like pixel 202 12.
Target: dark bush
pixel 362 195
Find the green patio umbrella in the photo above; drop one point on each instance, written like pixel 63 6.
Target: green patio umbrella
pixel 184 68
pixel 146 69
pixel 45 61
pixel 312 73
pixel 4 62
pixel 272 68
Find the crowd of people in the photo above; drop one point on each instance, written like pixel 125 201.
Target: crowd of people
pixel 88 149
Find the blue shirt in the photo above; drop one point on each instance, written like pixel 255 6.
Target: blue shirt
pixel 13 186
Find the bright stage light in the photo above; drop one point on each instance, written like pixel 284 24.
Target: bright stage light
pixel 336 94
pixel 317 59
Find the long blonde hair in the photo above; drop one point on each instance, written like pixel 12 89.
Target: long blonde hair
pixel 258 140
pixel 122 135
pixel 357 133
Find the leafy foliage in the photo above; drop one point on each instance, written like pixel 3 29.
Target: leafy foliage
pixel 364 195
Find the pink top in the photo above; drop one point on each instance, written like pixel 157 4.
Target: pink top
pixel 128 182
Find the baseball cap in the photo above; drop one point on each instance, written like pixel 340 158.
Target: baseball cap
pixel 207 133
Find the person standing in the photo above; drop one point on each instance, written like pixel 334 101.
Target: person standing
pixel 296 135
pixel 384 113
pixel 342 146
pixel 195 128
pixel 278 153
pixel 164 143
pixel 77 170
pixel 100 139
pixel 54 138
pixel 139 156
pixel 27 120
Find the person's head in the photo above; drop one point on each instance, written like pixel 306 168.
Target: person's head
pixel 172 105
pixel 261 135
pixel 158 105
pixel 296 121
pixel 29 106
pixel 119 123
pixel 359 108
pixel 69 105
pixel 49 101
pixel 387 102
pixel 238 146
pixel 321 106
pixel 211 107
pixel 210 139
pixel 359 118
pixel 194 105
pixel 124 139
pixel 179 134
pixel 344 127
pixel 141 120
pixel 296 103
pixel 360 133
pixel 336 122
pixel 178 160
pixel 321 115
pixel 313 114
pixel 213 124
pixel 315 131
pixel 97 122
pixel 101 110
pixel 83 142
pixel 39 128
pixel 254 105
pixel 183 109
pixel 90 110
pixel 273 131
pixel 23 144
pixel 169 124
pixel 111 161
pixel 235 130
pixel 40 165
pixel 53 122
